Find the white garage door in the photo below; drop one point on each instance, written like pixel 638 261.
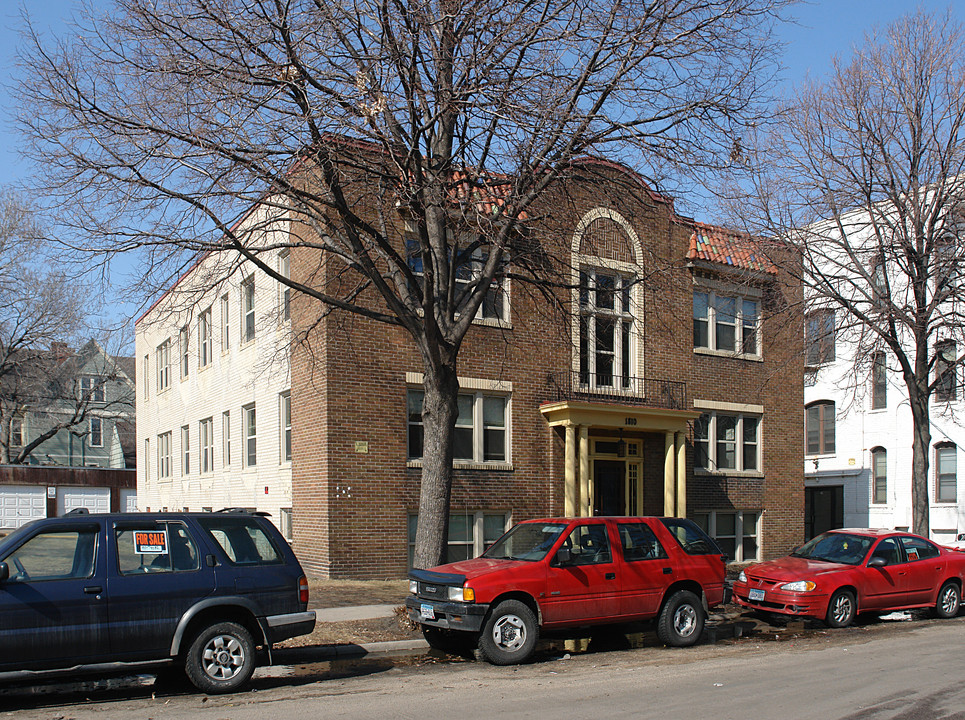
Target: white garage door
pixel 19 504
pixel 96 500
pixel 128 500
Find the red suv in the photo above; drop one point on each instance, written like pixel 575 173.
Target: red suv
pixel 567 572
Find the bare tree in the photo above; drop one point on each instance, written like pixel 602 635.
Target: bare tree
pixel 437 121
pixel 865 177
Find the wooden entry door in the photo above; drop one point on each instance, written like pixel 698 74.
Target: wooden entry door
pixel 609 487
pixel 823 509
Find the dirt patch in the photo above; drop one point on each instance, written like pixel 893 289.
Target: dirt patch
pixel 359 632
pixel 346 593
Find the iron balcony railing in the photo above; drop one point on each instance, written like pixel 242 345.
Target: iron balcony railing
pixel 628 390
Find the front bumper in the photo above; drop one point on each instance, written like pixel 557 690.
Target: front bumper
pixel 812 605
pixel 289 625
pixel 467 617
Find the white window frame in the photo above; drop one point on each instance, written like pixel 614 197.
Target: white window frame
pixel 147 377
pixel 225 324
pixel 249 426
pixel 479 542
pixel 95 432
pixel 285 425
pixel 714 298
pixel 92 386
pixel 184 345
pixel 624 341
pixel 284 291
pixel 164 455
pixel 711 529
pixel 147 460
pixel 713 441
pixel 17 431
pixel 185 449
pixel 204 338
pixel 163 357
pixel 206 442
pixel 940 449
pixel 478 427
pixel 247 310
pixel 226 438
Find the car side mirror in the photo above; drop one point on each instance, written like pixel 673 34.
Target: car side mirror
pixel 564 556
pixel 4 571
pixel 210 560
pixel 877 562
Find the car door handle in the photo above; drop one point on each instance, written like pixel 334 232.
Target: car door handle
pixel 668 571
pixel 610 576
pixel 93 590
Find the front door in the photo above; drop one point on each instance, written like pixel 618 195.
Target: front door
pixel 823 510
pixel 609 493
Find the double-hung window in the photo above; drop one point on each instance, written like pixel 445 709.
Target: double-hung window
pixel 470 533
pixel 284 291
pixel 879 381
pixel 92 388
pixel 204 338
pixel 16 432
pixel 164 455
pixel 225 324
pixel 606 330
pixel 185 358
pixel 482 428
pixel 819 428
pixel 95 436
pixel 226 438
pixel 163 358
pixel 250 454
pixel 946 470
pixel 724 441
pixel 946 371
pixel 206 437
pixel 248 310
pixel 185 450
pixel 879 469
pixel 819 337
pixel 726 322
pixel 737 533
pixel 285 422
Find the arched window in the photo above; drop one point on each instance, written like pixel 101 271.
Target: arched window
pixel 879 473
pixel 819 428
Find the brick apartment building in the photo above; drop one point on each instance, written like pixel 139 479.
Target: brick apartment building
pixel 666 378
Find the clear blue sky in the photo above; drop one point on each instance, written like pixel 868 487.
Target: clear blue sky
pixel 824 28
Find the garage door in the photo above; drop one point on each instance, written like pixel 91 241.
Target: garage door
pixel 128 500
pixel 19 504
pixel 96 500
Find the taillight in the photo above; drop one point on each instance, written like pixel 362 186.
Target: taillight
pixel 303 589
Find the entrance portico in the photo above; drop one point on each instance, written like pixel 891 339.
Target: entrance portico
pixel 604 459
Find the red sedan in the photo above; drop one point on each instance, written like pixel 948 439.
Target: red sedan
pixel 843 572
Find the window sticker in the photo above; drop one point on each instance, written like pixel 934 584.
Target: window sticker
pixel 151 542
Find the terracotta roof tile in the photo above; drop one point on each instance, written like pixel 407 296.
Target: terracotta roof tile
pixel 725 247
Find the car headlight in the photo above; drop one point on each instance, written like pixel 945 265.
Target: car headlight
pixel 414 587
pixel 799 586
pixel 742 577
pixel 462 594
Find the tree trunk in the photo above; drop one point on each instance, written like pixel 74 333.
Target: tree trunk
pixel 920 521
pixel 439 412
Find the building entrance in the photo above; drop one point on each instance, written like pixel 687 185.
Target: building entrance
pixel 609 482
pixel 823 509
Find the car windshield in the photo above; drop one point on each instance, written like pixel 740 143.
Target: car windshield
pixel 528 541
pixel 836 547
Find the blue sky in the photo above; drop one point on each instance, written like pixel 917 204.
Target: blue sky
pixel 823 28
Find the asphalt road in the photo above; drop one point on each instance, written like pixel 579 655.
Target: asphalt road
pixel 882 671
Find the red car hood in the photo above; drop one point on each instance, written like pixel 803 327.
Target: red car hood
pixel 794 568
pixel 479 566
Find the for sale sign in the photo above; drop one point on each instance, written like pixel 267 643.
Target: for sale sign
pixel 153 542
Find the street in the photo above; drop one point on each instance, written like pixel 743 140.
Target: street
pixel 874 672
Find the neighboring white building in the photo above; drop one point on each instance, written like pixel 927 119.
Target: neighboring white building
pixel 213 401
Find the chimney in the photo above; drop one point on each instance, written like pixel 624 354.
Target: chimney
pixel 60 350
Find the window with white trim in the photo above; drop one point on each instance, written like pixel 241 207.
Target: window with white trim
pixel 819 337
pixel 145 370
pixel 226 438
pixel 185 358
pixel 16 431
pixel 285 423
pixel 879 381
pixel 726 322
pixel 204 338
pixel 736 532
pixel 206 439
pixel 164 455
pixel 819 428
pixel 879 472
pixel 250 454
pixel 92 388
pixel 725 441
pixel 147 459
pixel 946 472
pixel 284 291
pixel 470 533
pixel 606 329
pixel 95 432
pixel 185 450
pixel 225 324
pixel 481 433
pixel 946 371
pixel 163 357
pixel 248 309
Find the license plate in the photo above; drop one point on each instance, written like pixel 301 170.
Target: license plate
pixel 753 595
pixel 427 611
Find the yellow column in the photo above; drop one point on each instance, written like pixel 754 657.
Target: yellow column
pixel 681 475
pixel 586 498
pixel 569 473
pixel 669 481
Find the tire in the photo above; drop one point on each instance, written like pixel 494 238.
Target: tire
pixel 449 641
pixel 949 600
pixel 509 634
pixel 681 620
pixel 841 609
pixel 221 658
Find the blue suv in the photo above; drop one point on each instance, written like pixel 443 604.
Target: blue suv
pixel 203 590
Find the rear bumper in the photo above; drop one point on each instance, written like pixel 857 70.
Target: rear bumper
pixel 812 605
pixel 289 625
pixel 467 617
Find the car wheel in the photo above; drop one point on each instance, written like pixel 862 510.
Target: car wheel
pixel 448 640
pixel 509 634
pixel 681 620
pixel 949 599
pixel 841 609
pixel 221 659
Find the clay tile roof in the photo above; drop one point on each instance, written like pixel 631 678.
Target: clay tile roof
pixel 725 247
pixel 487 192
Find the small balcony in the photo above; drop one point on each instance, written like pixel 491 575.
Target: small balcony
pixel 614 389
